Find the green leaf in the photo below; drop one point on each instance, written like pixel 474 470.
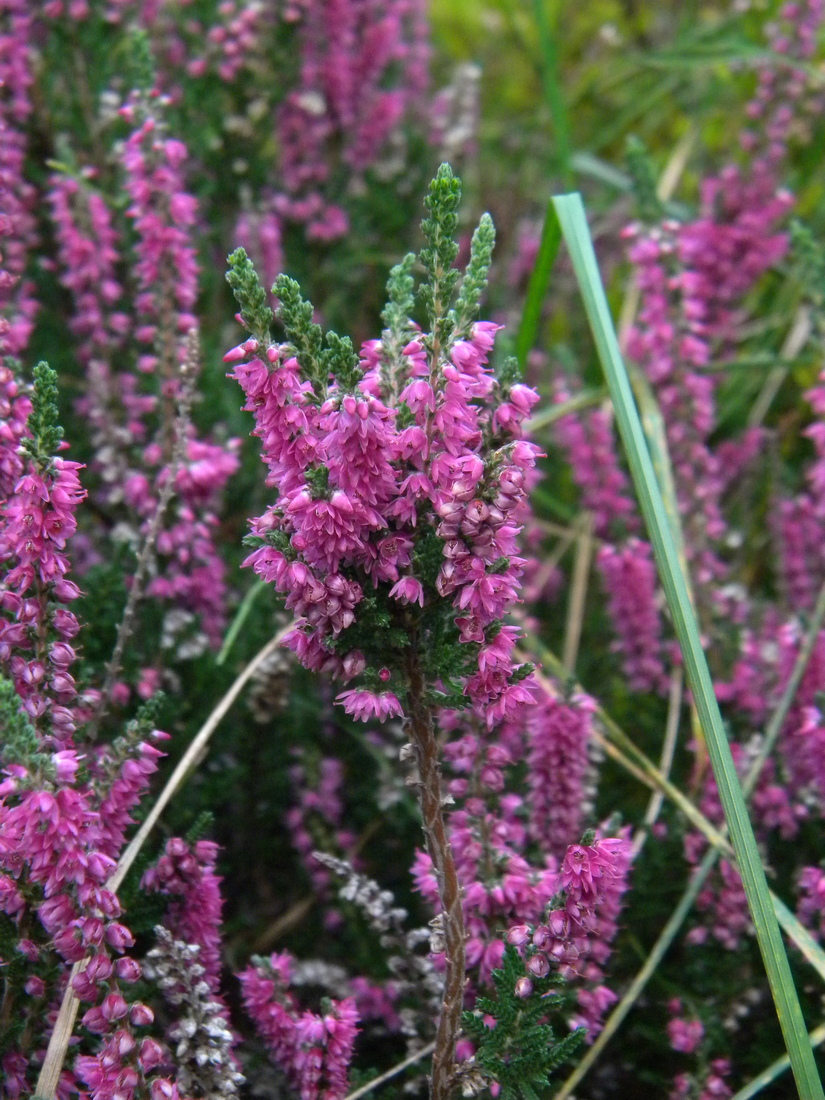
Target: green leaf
pixel 295 314
pixel 537 287
pixel 554 92
pixel 475 277
pixel 441 250
pixel 46 433
pixel 249 294
pixel 521 1049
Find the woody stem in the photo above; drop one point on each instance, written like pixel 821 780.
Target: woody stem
pixel 421 729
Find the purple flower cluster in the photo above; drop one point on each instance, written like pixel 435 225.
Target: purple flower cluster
pixel 15 407
pixel 36 626
pixel 514 843
pixel 694 277
pixel 490 845
pixel 361 73
pixel 685 1034
pixel 163 214
pixel 132 418
pixel 589 446
pixel 17 224
pixel 347 48
pixel 629 577
pixel 712 1085
pixel 576 938
pixel 627 569
pixel 801 519
pixel 558 742
pixel 187 875
pixel 58 840
pixel 314 1051
pixel 456 468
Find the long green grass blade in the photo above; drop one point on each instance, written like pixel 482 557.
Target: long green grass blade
pixel 570 211
pixel 552 413
pixel 537 287
pixel 241 616
pixel 554 91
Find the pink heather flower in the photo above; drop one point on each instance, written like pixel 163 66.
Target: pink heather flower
pixel 88 270
pixel 798 527
pixel 329 530
pixel 260 233
pixel 364 705
pixel 811 908
pixel 408 590
pixel 120 793
pixel 17 225
pixel 685 1035
pixel 319 799
pixel 66 764
pixel 694 280
pixel 590 448
pixel 577 938
pixel 163 214
pixel 313 1051
pixel 14 413
pixel 558 739
pixel 629 576
pixel 501 886
pixel 36 521
pixel 188 876
pixel 361 68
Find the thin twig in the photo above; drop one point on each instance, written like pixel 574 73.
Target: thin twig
pixel 64 1026
pixel 282 924
pixel 551 413
pixel 674 706
pixel 569 533
pixel 578 593
pixel 393 1072
pixel 794 342
pixel 241 616
pixel 188 376
pixel 60 1038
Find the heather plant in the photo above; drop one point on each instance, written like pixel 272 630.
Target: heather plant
pixel 400 477
pixel 225 890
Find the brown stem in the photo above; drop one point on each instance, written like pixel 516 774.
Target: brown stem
pixel 422 735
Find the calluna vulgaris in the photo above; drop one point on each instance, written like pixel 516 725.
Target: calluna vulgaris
pixel 395 538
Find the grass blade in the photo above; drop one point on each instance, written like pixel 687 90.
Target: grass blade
pixel 551 413
pixel 554 92
pixel 537 287
pixel 240 618
pixel 570 211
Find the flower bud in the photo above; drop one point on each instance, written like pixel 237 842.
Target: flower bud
pixel 538 966
pixel 141 1015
